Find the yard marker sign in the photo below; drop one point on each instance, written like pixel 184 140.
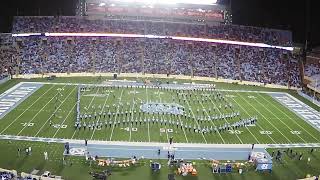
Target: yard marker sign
pixel 304 111
pixel 15 95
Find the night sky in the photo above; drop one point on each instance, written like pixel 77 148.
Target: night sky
pixel 299 16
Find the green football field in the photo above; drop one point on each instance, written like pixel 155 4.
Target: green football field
pixel 51 112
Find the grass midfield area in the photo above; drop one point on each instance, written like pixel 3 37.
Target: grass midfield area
pixel 56 105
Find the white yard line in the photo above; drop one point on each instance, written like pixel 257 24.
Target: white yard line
pixel 148 119
pixel 38 113
pixel 245 126
pixel 88 107
pixel 184 132
pixel 64 120
pixel 74 133
pixel 223 118
pixel 54 112
pixel 214 124
pixel 266 119
pixel 197 122
pixel 115 119
pixel 93 97
pixel 249 115
pixel 104 104
pixel 292 119
pixel 34 102
pixel 165 129
pixel 161 116
pixel 279 118
pixel 132 109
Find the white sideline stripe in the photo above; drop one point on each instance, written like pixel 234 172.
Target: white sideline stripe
pixel 155 144
pixel 227 90
pixel 26 109
pixel 54 112
pixel 249 115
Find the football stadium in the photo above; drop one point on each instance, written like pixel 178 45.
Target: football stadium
pixel 156 90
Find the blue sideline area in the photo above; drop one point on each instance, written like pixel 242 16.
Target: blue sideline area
pixel 151 152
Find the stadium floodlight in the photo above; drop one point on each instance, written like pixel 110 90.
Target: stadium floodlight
pixel 102 4
pixel 201 2
pixel 262 45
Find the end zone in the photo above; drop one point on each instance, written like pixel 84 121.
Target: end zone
pixel 304 111
pixel 15 95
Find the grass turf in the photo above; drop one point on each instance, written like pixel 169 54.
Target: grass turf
pixel 78 169
pixel 32 117
pixel 272 117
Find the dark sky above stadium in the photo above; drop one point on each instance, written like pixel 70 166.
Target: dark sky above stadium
pixel 299 16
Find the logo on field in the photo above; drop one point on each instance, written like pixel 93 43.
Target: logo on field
pixel 77 151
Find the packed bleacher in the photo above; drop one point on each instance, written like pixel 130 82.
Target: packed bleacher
pixel 6 176
pixel 36 55
pixel 155 27
pixel 312 68
pixel 156 56
pixel 5 55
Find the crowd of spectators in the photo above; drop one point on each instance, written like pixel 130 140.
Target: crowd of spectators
pixel 6 53
pixel 156 56
pixel 155 27
pixel 35 55
pixel 6 176
pixel 312 68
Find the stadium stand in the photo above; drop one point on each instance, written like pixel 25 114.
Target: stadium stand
pixel 156 56
pixel 39 55
pixel 154 26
